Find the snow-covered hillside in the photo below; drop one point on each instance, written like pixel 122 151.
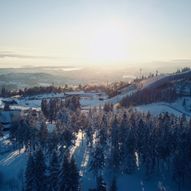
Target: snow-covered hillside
pixel 175 108
pixel 157 81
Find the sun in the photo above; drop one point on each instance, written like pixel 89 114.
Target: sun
pixel 108 43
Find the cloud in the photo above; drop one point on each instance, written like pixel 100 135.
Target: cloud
pixel 9 54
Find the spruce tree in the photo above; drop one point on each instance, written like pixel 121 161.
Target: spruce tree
pixel 113 185
pixel 101 185
pixel 65 175
pixel 43 134
pixel 74 176
pixel 40 169
pixel 30 175
pixel 98 161
pixel 115 152
pixel 54 173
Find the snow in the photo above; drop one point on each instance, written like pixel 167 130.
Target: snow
pixel 82 158
pixel 94 100
pixel 175 108
pixel 12 166
pixel 148 82
pixel 5 136
pixel 50 126
pixel 5 116
pixel 87 103
pixel 77 143
pixel 25 104
pixel 156 109
pixel 159 80
pixel 179 104
pixel 87 99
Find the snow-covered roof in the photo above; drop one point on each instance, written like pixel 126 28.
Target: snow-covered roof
pixel 5 117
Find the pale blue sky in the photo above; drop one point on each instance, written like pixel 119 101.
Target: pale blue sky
pixel 64 32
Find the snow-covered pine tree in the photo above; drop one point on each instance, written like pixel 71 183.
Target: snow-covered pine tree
pixel 30 184
pixel 123 130
pixel 74 176
pixel 98 161
pixel 102 133
pixel 129 162
pixel 45 107
pixel 40 171
pixel 114 159
pixel 64 177
pixel 113 186
pixel 53 178
pixel 52 141
pixel 43 134
pixel 101 185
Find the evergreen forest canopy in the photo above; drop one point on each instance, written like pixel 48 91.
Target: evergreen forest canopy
pixel 123 142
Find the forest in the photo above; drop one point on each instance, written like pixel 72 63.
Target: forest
pixel 124 141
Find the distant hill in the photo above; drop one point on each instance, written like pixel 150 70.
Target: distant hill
pixel 35 76
pixel 22 80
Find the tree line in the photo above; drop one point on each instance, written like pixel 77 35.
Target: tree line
pixel 148 96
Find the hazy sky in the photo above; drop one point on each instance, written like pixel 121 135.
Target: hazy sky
pixel 72 32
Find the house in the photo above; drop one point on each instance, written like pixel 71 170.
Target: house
pixel 8 117
pixel 5 119
pixel 9 101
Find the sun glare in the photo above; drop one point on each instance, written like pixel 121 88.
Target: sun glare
pixel 108 43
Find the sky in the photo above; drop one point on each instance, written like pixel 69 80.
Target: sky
pixel 94 32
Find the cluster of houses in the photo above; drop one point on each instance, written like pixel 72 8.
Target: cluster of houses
pixel 9 115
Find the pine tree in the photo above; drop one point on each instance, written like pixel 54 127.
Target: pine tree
pixel 101 185
pixel 98 161
pixel 74 176
pixel 115 153
pixel 44 107
pixel 43 134
pixel 52 141
pixel 3 92
pixel 30 179
pixel 184 103
pixel 65 175
pixel 122 137
pixel 54 173
pixel 67 138
pixel 40 169
pixel 113 185
pixel 102 134
pixel 129 163
pixel 20 133
pixel 52 109
pixel 13 130
pixel 89 136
